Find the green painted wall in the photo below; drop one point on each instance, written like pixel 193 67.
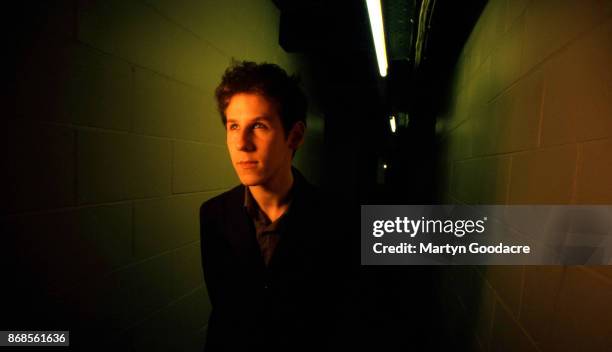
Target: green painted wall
pixel 114 144
pixel 531 123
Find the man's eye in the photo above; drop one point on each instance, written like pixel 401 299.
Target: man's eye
pixel 259 125
pixel 233 126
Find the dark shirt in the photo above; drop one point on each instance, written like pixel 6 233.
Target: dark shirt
pixel 268 233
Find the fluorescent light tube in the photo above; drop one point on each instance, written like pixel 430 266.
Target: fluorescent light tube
pixel 378 33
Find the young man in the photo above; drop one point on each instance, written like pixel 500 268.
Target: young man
pixel 270 252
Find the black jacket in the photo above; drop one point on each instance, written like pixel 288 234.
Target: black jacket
pixel 299 300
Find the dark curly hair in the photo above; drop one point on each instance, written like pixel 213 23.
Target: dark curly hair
pixel 270 81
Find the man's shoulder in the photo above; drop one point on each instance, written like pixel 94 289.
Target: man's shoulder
pixel 227 199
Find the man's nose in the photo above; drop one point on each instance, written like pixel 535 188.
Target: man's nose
pixel 244 140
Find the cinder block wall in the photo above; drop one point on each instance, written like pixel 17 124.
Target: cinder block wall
pixel 530 122
pixel 114 144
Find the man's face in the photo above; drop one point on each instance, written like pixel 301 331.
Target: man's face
pixel 256 140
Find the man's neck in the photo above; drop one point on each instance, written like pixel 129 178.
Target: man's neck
pixel 273 198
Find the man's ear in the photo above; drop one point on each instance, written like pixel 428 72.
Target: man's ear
pixel 296 135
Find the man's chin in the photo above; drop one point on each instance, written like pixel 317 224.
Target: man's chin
pixel 250 180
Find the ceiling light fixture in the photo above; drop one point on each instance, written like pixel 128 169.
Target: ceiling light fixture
pixel 378 33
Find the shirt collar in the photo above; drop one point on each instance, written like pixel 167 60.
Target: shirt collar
pixel 251 206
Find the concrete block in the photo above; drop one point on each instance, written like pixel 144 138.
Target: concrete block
pixel 99 91
pixel 126 29
pixel 262 41
pixel 507 281
pixel 593 184
pixel 175 326
pixel 158 104
pixel 201 167
pixel 512 120
pixel 494 180
pixel 577 105
pixel 605 270
pixel 76 84
pixel 507 334
pixel 461 104
pixel 485 132
pixel 213 130
pixel 582 320
pixel 506 58
pixel 543 176
pixel 475 49
pixel 465 184
pixel 467 286
pixel 540 293
pixel 165 107
pixel 493 26
pixel 140 34
pixel 39 168
pixel 194 58
pixel 116 166
pixel 470 65
pixel 214 21
pixel 120 300
pixel 57 250
pixel 491 124
pixel 163 224
pixel 483 88
pixel 484 317
pixel 460 143
pixel 551 24
pixel 523 129
pixel 513 10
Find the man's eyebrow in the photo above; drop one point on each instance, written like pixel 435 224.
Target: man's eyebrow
pixel 256 119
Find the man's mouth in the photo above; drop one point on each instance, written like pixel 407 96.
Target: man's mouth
pixel 247 164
